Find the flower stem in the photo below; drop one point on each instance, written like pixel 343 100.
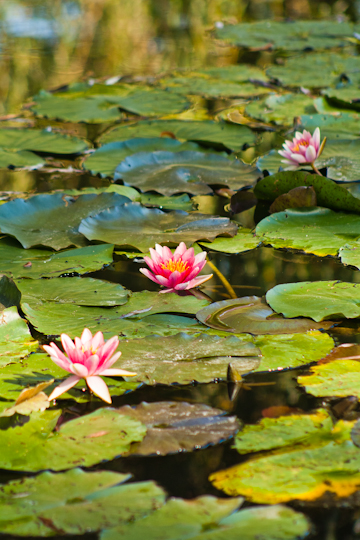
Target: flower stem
pixel 223 279
pixel 315 169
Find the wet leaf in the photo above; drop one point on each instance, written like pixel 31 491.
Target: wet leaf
pixel 174 427
pixel 347 97
pixel 350 254
pixel 30 400
pixel 218 133
pixel 244 240
pixel 44 506
pixel 251 314
pixel 52 219
pixel 340 126
pixel 15 338
pixel 337 378
pixel 317 299
pixel 320 462
pixel 135 226
pixel 41 140
pixel 317 230
pixel 20 159
pixel 76 443
pixel 238 73
pixel 183 358
pixel 195 84
pixel 298 197
pixel 190 172
pixel 280 108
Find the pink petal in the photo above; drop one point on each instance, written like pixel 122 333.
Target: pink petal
pixel 117 373
pixel 54 350
pixel 162 281
pixel 64 387
pixel 99 387
pixel 310 154
pixel 298 158
pixel 179 251
pixel 198 281
pixel 316 138
pixel 79 370
pixel 86 336
pixel 200 257
pixel 155 256
pixel 108 363
pixel 97 341
pixel 174 278
pixel 150 263
pixel 168 290
pixel 78 343
pixel 67 343
pixel 61 363
pixel 167 254
pixel 285 154
pixel 194 272
pixel 149 275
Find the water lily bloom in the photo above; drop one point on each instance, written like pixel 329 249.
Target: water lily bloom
pixel 87 358
pixel 177 271
pixel 303 149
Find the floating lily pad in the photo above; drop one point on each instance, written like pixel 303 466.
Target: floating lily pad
pixel 317 230
pixel 341 126
pixel 84 441
pixel 193 84
pixel 106 158
pixel 291 36
pixel 323 460
pixel 251 314
pixel 191 172
pixel 179 427
pixel 317 299
pixel 244 240
pixel 316 70
pixel 347 97
pixel 15 338
pixel 280 108
pixel 20 159
pixel 139 227
pixel 37 263
pixel 52 219
pixel 339 378
pixel 239 73
pixel 350 254
pixel 184 358
pixel 38 140
pixel 43 505
pixel 328 193
pixel 218 133
pixel 198 519
pixel 73 290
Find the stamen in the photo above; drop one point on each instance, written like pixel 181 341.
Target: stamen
pixel 175 266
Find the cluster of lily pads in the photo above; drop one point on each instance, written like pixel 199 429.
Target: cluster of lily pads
pixel 161 153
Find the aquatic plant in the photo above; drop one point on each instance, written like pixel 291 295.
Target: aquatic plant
pixel 303 149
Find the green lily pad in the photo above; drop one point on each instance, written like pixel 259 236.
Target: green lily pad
pixel 317 230
pixel 20 159
pixel 341 126
pixel 84 441
pixel 9 293
pixel 350 254
pixel 44 506
pixel 174 427
pixel 316 70
pixel 73 290
pixel 244 240
pixel 135 226
pixel 15 338
pixel 212 133
pixel 323 460
pixel 280 108
pixel 236 73
pixel 52 219
pixel 183 358
pixel 106 158
pixel 53 318
pixel 195 84
pixel 346 97
pixel 38 368
pixel 290 36
pixel 328 193
pixel 198 519
pixel 191 172
pixel 251 314
pixel 41 140
pixel 339 378
pixel 317 299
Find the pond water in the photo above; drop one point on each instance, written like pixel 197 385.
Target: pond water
pixel 89 69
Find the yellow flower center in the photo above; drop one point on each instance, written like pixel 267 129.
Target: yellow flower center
pixel 301 143
pixel 173 266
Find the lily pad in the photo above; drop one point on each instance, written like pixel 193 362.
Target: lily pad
pixel 328 193
pixel 44 506
pixel 350 254
pixel 244 240
pixel 212 133
pixel 316 230
pixel 347 97
pixel 198 519
pixel 251 314
pixel 135 226
pixel 30 400
pixel 73 290
pixel 291 36
pixel 323 460
pixel 339 378
pixel 280 108
pixel 52 219
pixel 340 126
pixel 317 299
pixel 102 435
pixel 41 140
pixel 184 358
pixel 238 73
pixel 191 172
pixel 174 427
pixel 195 84
pixel 20 159
pixel 15 338
pixel 106 158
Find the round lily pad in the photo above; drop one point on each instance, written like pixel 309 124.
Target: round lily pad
pixel 280 108
pixel 244 240
pixel 194 83
pixel 41 140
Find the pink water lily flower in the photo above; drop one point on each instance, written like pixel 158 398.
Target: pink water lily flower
pixel 87 358
pixel 303 149
pixel 176 271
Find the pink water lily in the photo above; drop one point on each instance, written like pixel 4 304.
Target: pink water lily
pixel 303 149
pixel 87 358
pixel 176 271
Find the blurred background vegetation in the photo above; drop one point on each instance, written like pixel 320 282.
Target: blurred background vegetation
pixel 46 44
